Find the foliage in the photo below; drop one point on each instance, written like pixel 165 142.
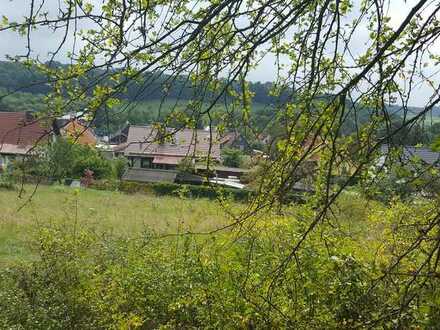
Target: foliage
pixel 435 145
pixel 187 165
pixel 173 189
pixel 148 281
pixel 416 134
pixel 7 181
pixel 120 165
pixel 88 158
pixel 21 101
pixel 303 270
pixel 232 157
pixel 66 159
pixel 15 76
pixel 401 179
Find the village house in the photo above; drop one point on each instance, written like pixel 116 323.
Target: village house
pixel 146 148
pixel 120 136
pixel 155 156
pixel 410 154
pixel 21 132
pixel 76 128
pixel 234 140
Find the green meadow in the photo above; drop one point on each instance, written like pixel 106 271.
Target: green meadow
pixel 88 259
pixel 111 212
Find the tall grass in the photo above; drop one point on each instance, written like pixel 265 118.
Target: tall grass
pixel 121 214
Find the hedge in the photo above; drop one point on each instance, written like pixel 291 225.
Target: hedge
pixel 4 185
pixel 165 188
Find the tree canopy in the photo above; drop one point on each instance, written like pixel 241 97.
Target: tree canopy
pixel 322 75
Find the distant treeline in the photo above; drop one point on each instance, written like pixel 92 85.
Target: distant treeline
pixel 153 87
pixel 16 77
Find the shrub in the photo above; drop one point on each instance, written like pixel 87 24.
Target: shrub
pixel 89 281
pixel 232 157
pixel 186 165
pixel 120 165
pixel 7 185
pixel 65 159
pixel 7 181
pixel 88 158
pixel 164 188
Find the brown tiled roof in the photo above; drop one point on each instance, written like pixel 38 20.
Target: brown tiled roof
pixel 20 132
pixel 142 140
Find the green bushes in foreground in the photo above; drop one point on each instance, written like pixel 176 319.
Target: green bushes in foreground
pixel 87 280
pixel 83 282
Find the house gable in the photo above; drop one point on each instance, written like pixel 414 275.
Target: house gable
pixel 143 141
pixel 20 132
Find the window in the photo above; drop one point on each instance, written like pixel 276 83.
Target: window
pixel 146 162
pixel 130 161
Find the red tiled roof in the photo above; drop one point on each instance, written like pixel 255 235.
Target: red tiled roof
pixel 20 129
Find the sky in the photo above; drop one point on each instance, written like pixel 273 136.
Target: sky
pixel 44 40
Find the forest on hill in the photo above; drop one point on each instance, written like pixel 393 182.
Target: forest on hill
pixel 16 77
pixel 338 222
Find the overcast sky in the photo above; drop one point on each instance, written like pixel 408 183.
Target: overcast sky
pixel 44 41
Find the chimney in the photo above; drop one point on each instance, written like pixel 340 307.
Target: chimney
pixel 28 117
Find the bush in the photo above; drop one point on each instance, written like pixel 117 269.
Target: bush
pixel 110 185
pixel 186 165
pixel 120 165
pixel 163 188
pixel 404 182
pixel 87 281
pixel 65 159
pixel 88 158
pixel 7 185
pixel 232 157
pixel 7 181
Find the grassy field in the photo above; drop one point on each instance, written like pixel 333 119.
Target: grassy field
pixel 121 214
pixel 93 277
